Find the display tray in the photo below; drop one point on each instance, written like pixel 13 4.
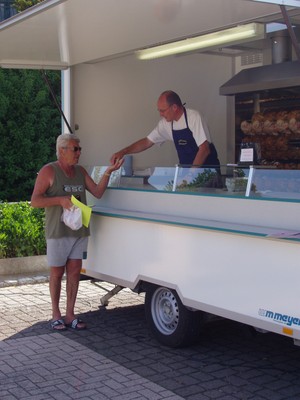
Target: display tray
pixel 220 226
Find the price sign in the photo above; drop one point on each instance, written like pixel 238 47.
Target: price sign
pixel 247 155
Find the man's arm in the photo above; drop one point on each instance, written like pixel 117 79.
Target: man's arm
pixel 136 147
pixel 43 181
pixel 202 154
pixel 97 190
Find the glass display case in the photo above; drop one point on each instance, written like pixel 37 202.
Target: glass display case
pixel 183 179
pixel 228 180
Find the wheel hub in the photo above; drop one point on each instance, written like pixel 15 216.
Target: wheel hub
pixel 165 311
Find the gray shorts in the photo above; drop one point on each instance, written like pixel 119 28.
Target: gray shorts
pixel 60 250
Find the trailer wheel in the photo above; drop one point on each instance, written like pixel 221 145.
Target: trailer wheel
pixel 170 322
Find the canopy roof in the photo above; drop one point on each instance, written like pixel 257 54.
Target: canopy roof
pixel 63 33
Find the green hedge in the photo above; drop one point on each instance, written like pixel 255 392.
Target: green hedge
pixel 21 230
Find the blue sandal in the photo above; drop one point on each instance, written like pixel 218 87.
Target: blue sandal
pixel 74 325
pixel 58 325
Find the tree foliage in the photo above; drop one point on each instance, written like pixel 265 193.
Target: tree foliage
pixel 29 125
pixel 21 5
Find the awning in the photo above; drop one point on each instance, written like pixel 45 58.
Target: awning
pixel 63 33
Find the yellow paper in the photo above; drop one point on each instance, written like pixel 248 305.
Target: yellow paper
pixel 86 211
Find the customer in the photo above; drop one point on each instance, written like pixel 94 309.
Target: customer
pixel 55 184
pixel 185 127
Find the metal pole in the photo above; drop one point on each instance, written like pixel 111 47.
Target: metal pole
pixel 55 100
pixel 291 31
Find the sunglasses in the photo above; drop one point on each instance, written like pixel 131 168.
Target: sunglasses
pixel 74 148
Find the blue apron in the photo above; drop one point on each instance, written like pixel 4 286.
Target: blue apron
pixel 187 147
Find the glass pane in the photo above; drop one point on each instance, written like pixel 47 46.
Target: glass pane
pixel 154 178
pixel 275 183
pixel 194 179
pixel 98 171
pixel 236 179
pixel 162 178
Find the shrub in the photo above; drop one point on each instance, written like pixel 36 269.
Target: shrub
pixel 21 230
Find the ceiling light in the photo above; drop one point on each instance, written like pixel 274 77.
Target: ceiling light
pixel 230 36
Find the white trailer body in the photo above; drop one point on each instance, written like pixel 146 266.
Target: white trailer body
pixel 219 252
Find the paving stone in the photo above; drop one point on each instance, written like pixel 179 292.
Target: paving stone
pixel 116 358
pixel 65 377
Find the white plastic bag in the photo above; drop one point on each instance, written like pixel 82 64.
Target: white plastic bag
pixel 72 218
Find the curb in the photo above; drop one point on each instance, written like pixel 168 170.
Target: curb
pixel 22 280
pixel 23 271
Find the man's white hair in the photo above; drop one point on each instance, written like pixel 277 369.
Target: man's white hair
pixel 63 141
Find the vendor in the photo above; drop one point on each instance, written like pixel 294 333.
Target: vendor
pixel 185 127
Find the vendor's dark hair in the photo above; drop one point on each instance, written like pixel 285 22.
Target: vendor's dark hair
pixel 172 98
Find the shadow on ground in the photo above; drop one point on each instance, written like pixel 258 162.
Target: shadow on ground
pixel 230 361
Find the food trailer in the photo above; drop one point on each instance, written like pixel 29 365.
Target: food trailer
pixel 197 242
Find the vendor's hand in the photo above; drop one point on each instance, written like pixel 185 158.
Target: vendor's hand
pixel 65 202
pixel 116 157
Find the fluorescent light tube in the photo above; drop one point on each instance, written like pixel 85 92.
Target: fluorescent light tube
pixel 234 35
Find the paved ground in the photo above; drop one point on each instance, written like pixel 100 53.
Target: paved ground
pixel 116 358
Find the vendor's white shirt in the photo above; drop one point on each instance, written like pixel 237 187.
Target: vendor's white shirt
pixel 196 122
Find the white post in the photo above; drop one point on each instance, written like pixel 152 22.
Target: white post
pixel 66 98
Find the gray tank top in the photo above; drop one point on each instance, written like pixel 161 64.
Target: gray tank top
pixel 64 186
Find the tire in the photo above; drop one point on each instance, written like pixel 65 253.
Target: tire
pixel 170 322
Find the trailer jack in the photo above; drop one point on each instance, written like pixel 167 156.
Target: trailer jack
pixel 110 293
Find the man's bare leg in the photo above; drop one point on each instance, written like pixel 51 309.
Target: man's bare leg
pixel 56 274
pixel 73 268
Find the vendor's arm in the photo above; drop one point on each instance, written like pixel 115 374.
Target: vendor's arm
pixel 202 154
pixel 97 190
pixel 43 181
pixel 136 147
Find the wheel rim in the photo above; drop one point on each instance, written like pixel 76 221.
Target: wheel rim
pixel 165 311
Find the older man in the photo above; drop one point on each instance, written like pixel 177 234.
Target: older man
pixel 185 127
pixel 55 184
